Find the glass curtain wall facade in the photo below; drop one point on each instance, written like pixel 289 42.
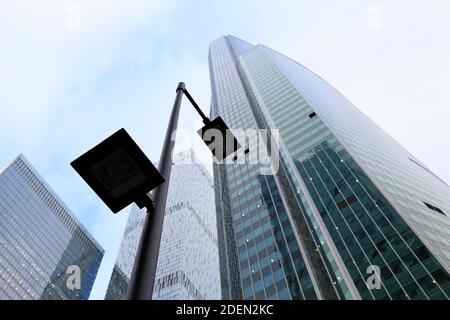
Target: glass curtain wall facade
pixel 346 196
pixel 188 263
pixel 42 244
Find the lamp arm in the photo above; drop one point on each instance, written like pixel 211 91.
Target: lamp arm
pixel 200 112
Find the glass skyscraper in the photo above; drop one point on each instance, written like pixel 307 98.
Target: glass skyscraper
pixel 45 252
pixel 346 198
pixel 188 263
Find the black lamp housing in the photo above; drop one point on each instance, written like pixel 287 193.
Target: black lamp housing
pixel 118 171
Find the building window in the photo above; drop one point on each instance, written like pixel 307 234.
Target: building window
pixel 312 114
pixel 348 201
pixel 430 206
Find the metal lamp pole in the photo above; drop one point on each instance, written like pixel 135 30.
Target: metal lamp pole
pixel 144 269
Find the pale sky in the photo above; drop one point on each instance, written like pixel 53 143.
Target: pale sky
pixel 74 72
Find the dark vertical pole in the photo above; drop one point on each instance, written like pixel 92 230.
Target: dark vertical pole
pixel 144 269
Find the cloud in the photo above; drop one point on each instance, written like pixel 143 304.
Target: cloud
pixel 44 62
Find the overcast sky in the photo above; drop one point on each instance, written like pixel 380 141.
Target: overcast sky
pixel 73 72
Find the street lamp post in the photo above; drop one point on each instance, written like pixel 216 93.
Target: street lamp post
pixel 120 173
pixel 144 269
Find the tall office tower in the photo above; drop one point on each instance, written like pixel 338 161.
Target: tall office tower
pixel 45 252
pixel 188 264
pixel 346 198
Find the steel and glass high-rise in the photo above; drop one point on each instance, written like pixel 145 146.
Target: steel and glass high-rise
pixel 346 196
pixel 43 246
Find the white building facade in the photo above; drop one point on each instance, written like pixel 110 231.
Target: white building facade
pixel 188 264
